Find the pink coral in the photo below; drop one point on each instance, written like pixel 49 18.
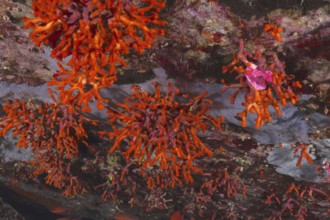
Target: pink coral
pixel 258 78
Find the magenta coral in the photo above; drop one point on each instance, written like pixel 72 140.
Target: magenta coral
pixel 258 78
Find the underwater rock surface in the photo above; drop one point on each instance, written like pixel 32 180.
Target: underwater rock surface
pixel 191 57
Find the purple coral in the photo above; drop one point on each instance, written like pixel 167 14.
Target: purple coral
pixel 258 78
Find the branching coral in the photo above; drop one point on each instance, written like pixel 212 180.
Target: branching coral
pixel 265 84
pixel 294 202
pixel 161 131
pixel 304 154
pixel 225 183
pixel 216 184
pixel 53 132
pixel 95 34
pixel 77 88
pixel 58 168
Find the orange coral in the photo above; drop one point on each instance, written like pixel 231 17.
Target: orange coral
pixel 78 88
pixel 95 34
pixel 303 154
pixel 274 31
pixel 258 99
pixel 162 132
pixel 53 132
pixel 57 168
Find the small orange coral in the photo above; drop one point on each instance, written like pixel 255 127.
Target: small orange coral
pixel 161 131
pixel 303 154
pixel 263 88
pixel 274 31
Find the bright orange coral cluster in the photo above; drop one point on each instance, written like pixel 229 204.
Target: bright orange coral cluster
pixel 161 131
pixel 53 132
pixel 274 31
pixel 257 101
pixel 94 35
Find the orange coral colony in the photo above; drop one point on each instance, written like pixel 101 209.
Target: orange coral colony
pixel 161 131
pixel 95 34
pixel 53 132
pixel 263 87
